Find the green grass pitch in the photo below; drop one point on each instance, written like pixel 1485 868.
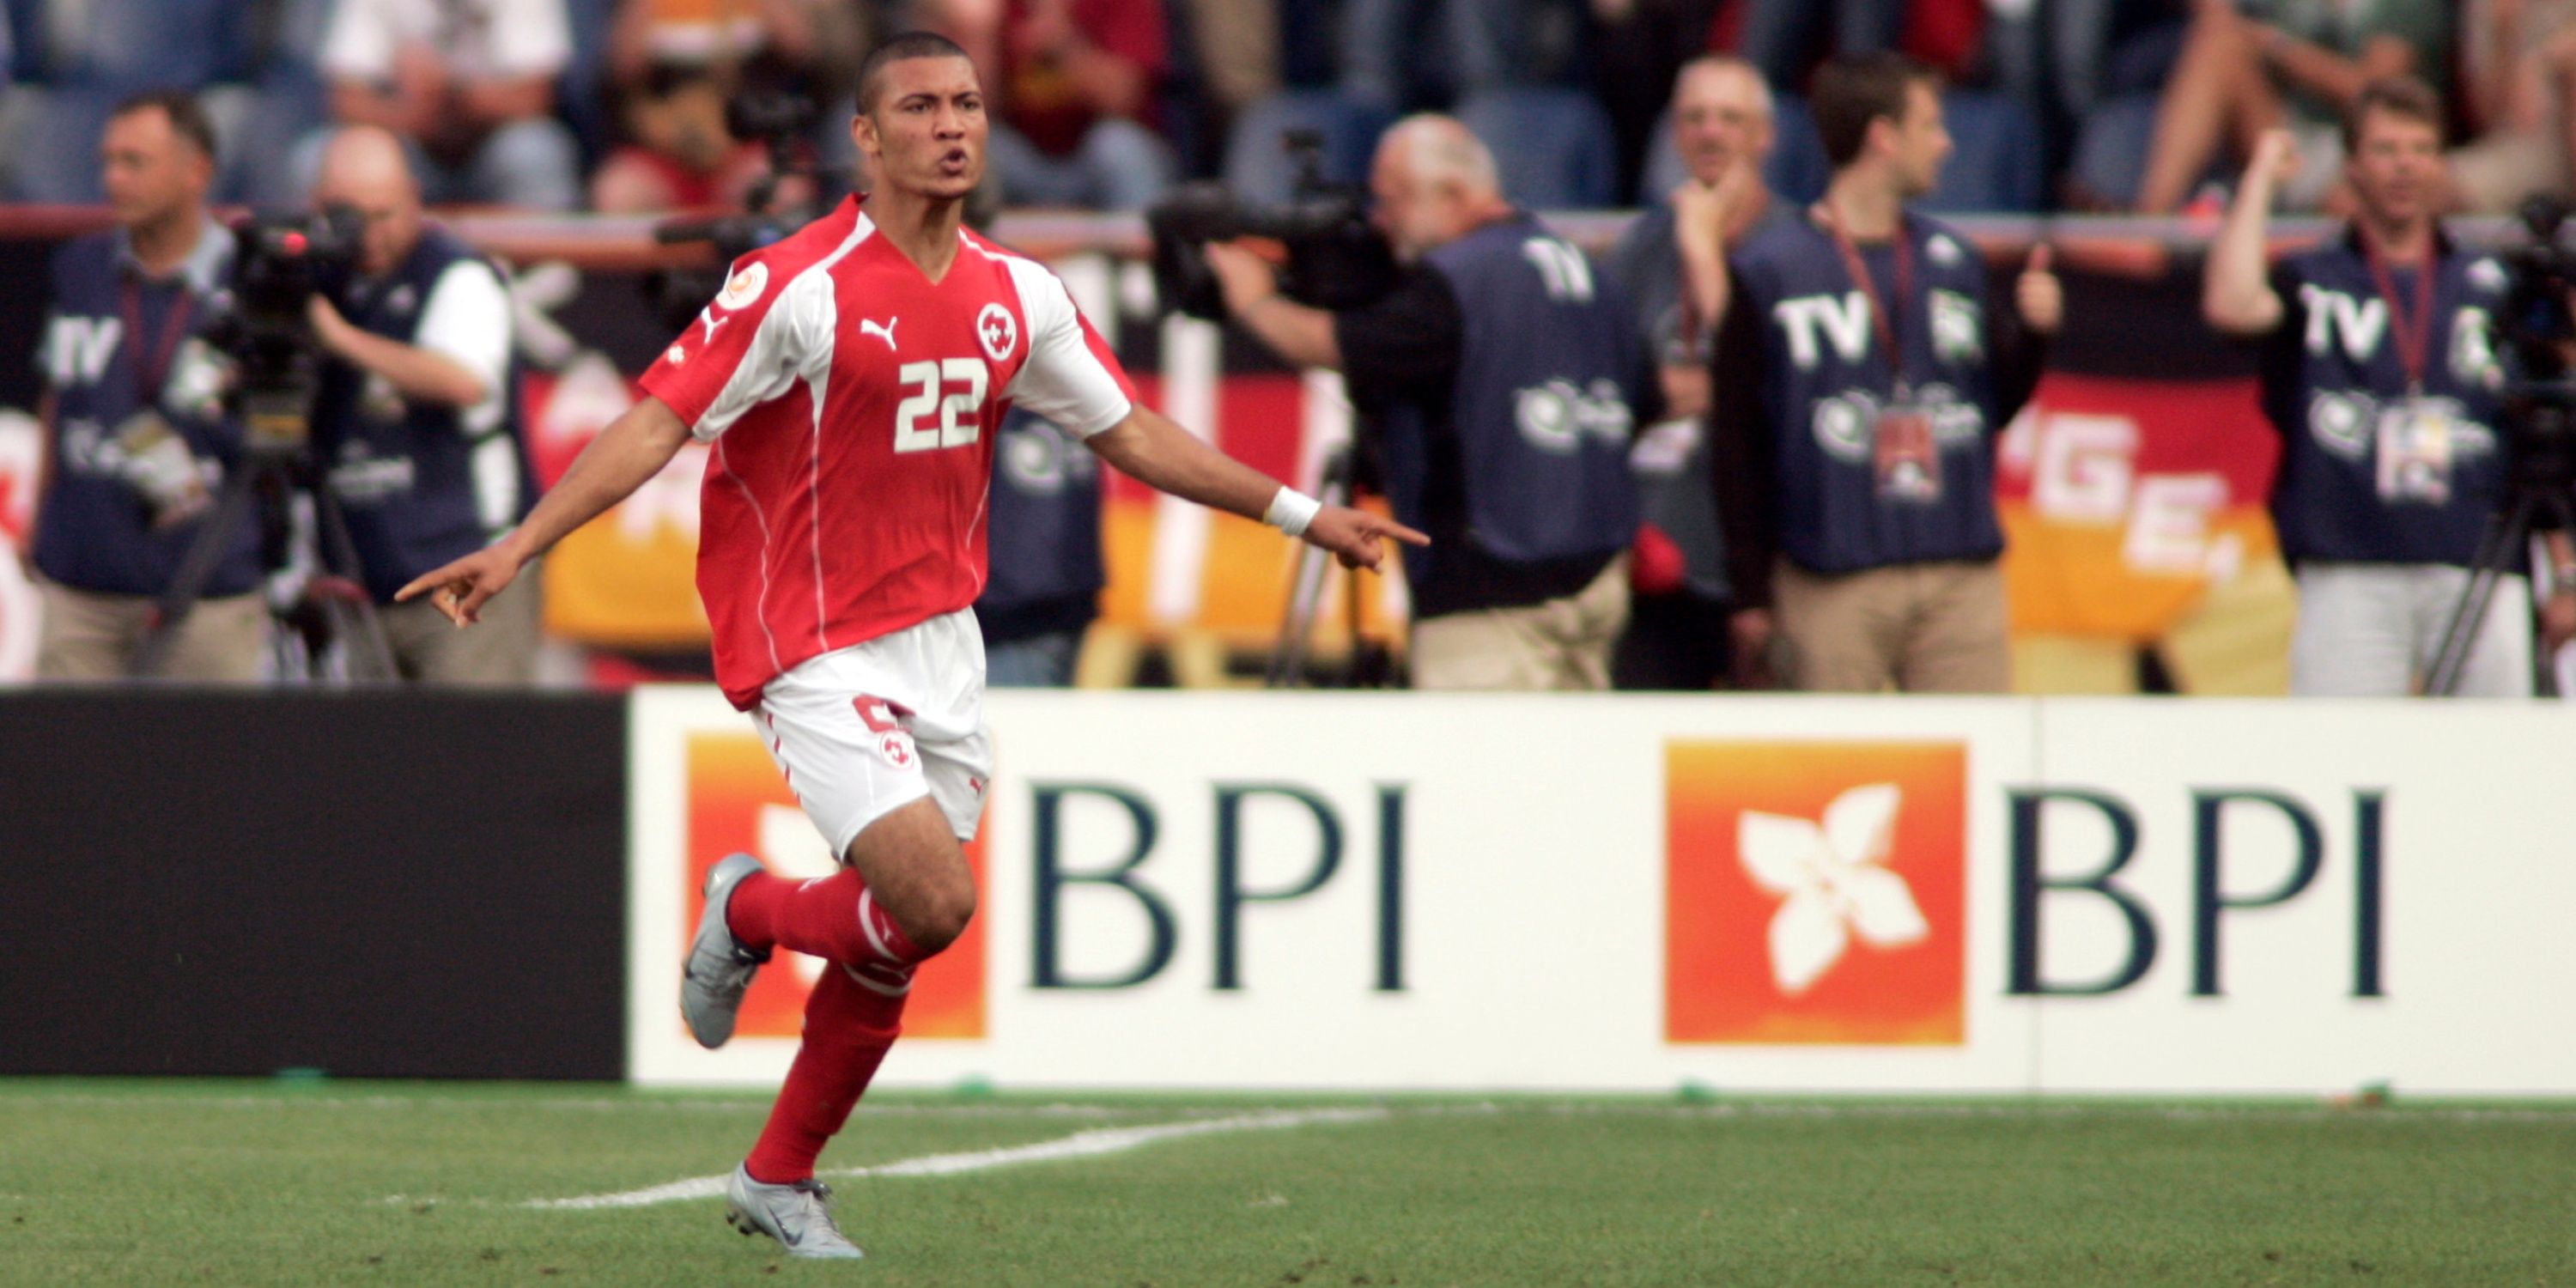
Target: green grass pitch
pixel 113 1182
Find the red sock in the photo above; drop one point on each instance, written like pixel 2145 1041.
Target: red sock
pixel 848 1027
pixel 834 918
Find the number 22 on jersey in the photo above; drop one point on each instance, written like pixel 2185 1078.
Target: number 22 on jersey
pixel 953 390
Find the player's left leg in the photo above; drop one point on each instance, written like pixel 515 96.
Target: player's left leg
pixel 855 1011
pixel 850 1024
pixel 900 801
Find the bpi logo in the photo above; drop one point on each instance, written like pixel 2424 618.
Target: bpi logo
pixel 738 802
pixel 1815 892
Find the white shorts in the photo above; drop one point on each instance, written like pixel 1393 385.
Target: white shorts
pixel 864 731
pixel 2372 630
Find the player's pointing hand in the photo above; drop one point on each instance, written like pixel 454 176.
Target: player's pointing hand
pixel 2038 295
pixel 1352 535
pixel 463 587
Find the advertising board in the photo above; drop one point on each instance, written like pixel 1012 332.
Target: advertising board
pixel 1383 891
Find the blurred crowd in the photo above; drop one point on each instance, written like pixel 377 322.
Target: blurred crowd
pixel 620 105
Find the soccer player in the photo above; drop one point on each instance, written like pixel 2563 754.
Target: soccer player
pixel 851 380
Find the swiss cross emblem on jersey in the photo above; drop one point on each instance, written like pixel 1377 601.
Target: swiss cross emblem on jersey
pixel 1000 334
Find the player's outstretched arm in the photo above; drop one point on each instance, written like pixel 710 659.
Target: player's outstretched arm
pixel 1148 447
pixel 632 449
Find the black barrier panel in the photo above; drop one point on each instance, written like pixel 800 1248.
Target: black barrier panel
pixel 394 884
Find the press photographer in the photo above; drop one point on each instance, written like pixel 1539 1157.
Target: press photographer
pixel 2382 372
pixel 416 418
pixel 1499 381
pixel 136 444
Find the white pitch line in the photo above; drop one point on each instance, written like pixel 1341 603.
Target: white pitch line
pixel 1083 1144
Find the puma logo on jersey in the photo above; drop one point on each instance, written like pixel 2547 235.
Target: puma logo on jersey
pixel 885 332
pixel 710 321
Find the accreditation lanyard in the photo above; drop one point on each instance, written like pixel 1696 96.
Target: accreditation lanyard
pixel 1882 319
pixel 2413 333
pixel 149 372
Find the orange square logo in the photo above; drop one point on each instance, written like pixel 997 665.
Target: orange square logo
pixel 738 802
pixel 1815 892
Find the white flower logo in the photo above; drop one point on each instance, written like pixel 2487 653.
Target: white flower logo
pixel 1836 882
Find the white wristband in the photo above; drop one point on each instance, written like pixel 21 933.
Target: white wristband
pixel 1291 511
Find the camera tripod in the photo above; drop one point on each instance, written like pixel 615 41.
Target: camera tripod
pixel 276 466
pixel 1368 662
pixel 2543 487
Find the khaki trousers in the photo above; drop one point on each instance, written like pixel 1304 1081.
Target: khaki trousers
pixel 1921 628
pixel 88 636
pixel 1560 644
pixel 500 649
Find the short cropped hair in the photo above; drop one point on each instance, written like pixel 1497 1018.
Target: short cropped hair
pixel 1851 92
pixel 179 107
pixel 900 46
pixel 2405 96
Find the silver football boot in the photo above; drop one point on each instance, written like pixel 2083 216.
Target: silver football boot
pixel 793 1214
pixel 719 968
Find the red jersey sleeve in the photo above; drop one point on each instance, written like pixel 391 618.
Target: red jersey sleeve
pixel 746 347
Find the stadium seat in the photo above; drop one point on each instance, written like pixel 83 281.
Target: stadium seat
pixel 583 96
pixel 1998 163
pixel 2111 149
pixel 1258 170
pixel 1554 147
pixel 1188 106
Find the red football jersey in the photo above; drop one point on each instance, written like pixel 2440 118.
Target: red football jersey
pixel 853 405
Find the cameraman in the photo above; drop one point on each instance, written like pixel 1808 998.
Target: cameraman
pixel 1501 378
pixel 2380 374
pixel 132 454
pixel 416 420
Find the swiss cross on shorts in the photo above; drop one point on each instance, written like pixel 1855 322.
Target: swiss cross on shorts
pixel 885 720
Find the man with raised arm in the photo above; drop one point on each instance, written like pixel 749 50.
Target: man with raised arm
pixel 851 380
pixel 2380 372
